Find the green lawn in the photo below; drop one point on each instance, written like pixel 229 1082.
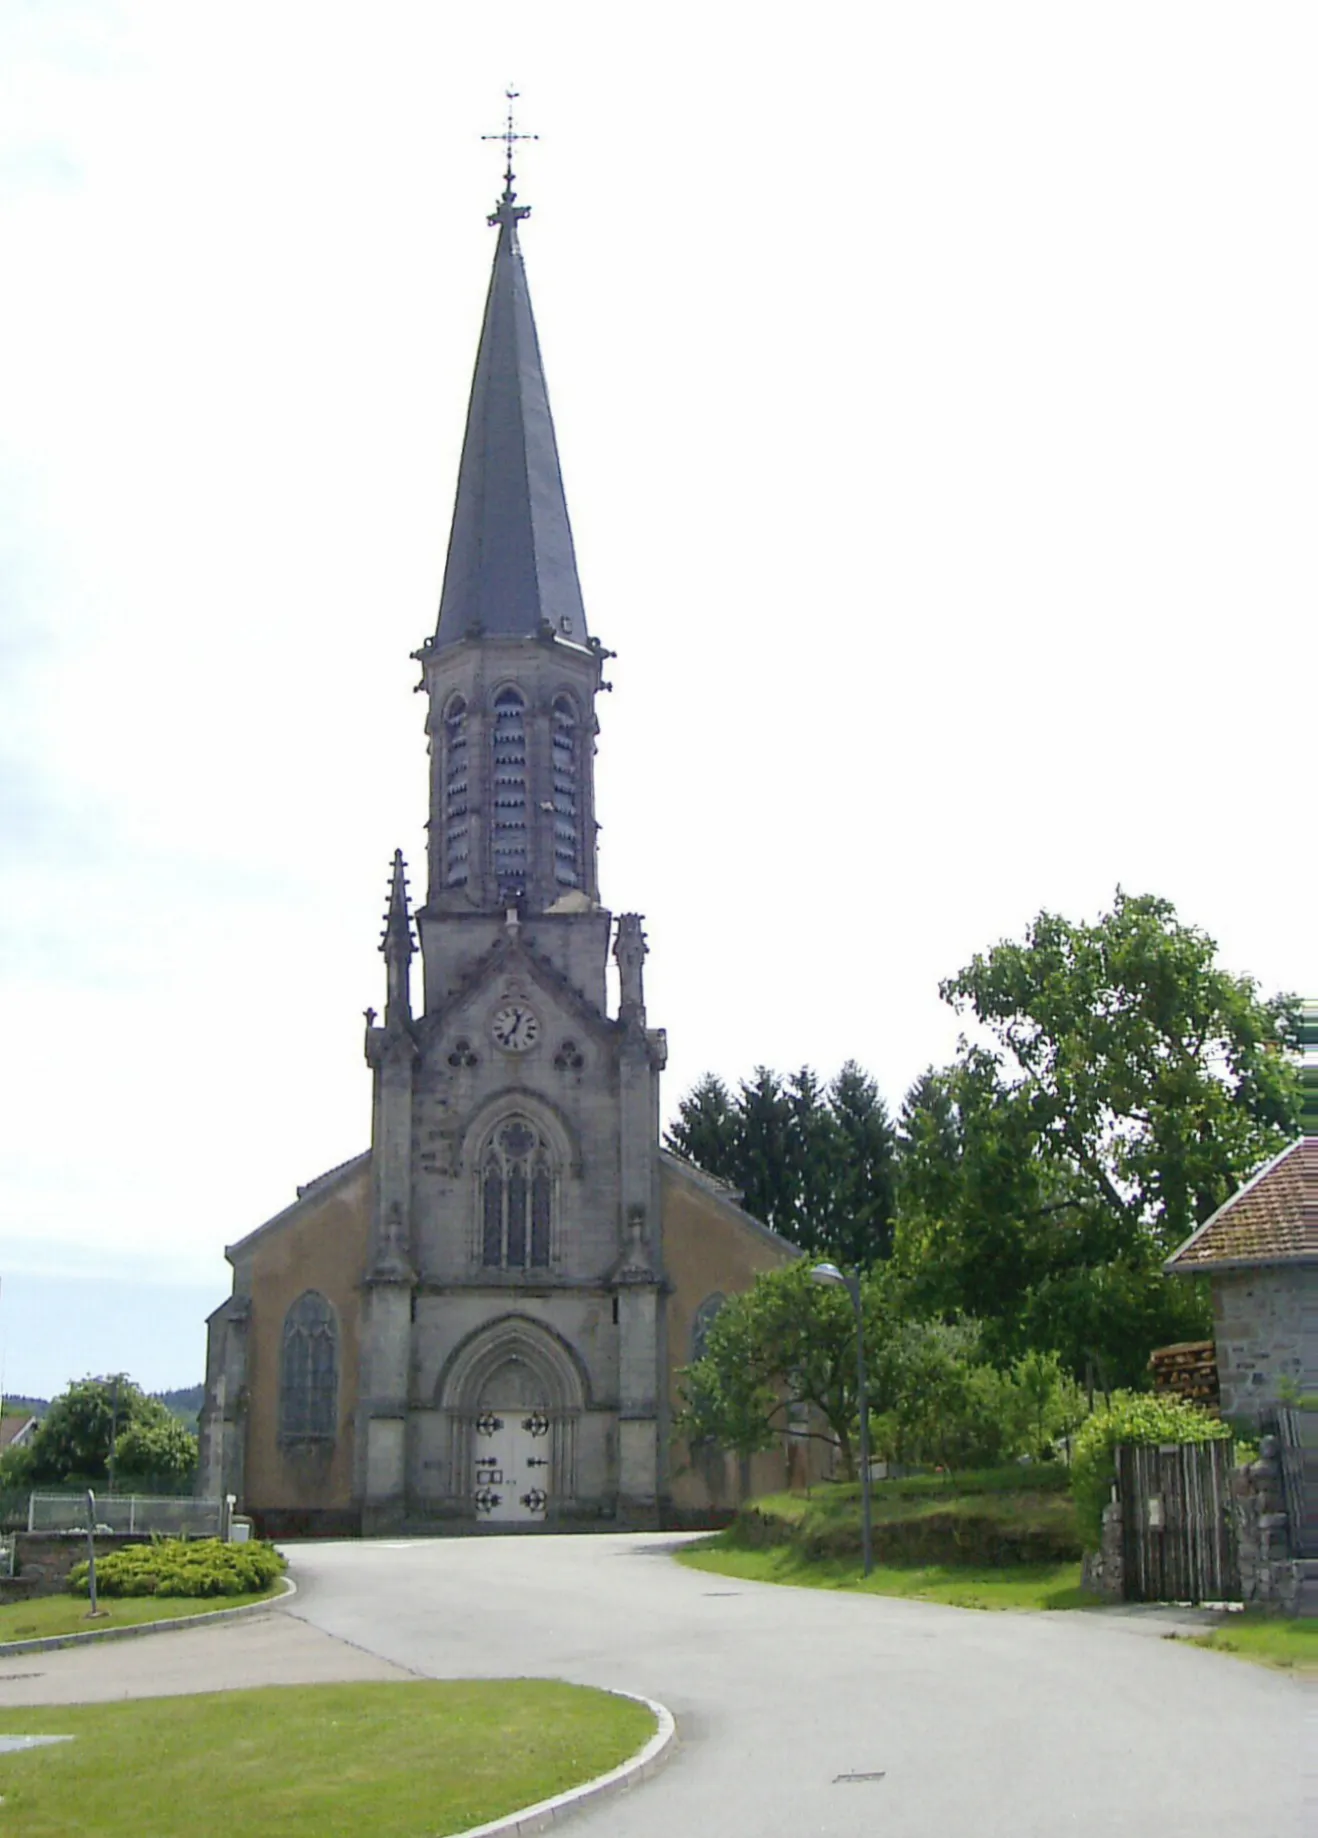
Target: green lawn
pixel 1269 1640
pixel 50 1615
pixel 960 1586
pixel 413 1760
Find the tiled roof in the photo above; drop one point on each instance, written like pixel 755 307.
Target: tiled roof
pixel 1272 1219
pixel 11 1428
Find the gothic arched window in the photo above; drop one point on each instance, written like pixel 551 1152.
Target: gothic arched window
pixel 309 1371
pixel 508 833
pixel 702 1322
pixel 567 823
pixel 517 1198
pixel 456 838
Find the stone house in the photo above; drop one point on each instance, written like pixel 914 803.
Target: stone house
pixel 482 1318
pixel 1260 1254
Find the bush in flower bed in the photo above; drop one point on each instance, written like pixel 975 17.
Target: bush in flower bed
pixel 183 1566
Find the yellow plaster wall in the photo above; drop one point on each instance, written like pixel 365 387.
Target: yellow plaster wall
pixel 322 1247
pixel 708 1249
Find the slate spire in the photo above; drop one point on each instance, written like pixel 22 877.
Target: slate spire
pixel 512 569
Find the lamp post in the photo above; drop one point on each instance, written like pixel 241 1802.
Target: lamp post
pixel 830 1274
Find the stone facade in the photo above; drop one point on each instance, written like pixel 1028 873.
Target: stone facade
pixel 484 1318
pixel 1266 1329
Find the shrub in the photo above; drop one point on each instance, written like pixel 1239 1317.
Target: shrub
pixel 1131 1416
pixel 182 1566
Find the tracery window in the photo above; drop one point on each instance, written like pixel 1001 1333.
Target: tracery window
pixel 517 1198
pixel 702 1322
pixel 309 1371
pixel 508 837
pixel 457 842
pixel 567 824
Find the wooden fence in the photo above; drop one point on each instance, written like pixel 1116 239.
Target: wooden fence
pixel 1178 1529
pixel 1291 1427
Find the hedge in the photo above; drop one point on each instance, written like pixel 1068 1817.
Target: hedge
pixel 183 1567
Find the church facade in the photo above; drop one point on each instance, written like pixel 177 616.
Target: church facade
pixel 482 1319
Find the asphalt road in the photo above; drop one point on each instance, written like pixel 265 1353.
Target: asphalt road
pixel 978 1725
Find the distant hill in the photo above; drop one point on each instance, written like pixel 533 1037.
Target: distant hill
pixel 185 1403
pixel 34 1407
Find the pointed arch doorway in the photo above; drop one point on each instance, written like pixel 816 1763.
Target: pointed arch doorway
pixel 514 1397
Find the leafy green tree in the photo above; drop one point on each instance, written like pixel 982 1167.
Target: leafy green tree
pixel 1155 1079
pixel 155 1446
pixel 1127 1087
pixel 91 1416
pixel 785 1343
pixel 814 1162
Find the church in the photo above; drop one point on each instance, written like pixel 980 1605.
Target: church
pixel 481 1321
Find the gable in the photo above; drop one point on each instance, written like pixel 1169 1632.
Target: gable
pixel 1272 1219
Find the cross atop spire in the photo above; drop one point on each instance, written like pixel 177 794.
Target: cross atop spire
pixel 512 569
pixel 508 211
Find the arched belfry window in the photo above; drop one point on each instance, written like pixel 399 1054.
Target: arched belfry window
pixel 517 1198
pixel 567 817
pixel 457 842
pixel 309 1371
pixel 508 838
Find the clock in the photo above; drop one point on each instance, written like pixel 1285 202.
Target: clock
pixel 515 1027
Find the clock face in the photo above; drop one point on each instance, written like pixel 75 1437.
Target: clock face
pixel 515 1027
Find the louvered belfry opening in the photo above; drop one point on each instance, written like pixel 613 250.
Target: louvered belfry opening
pixel 567 816
pixel 509 837
pixel 457 841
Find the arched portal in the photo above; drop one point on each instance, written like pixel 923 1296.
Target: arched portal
pixel 513 1394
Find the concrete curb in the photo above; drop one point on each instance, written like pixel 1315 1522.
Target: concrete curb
pixel 544 1813
pixel 14 1649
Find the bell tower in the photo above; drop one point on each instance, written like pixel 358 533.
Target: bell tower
pixel 517 1274
pixel 511 672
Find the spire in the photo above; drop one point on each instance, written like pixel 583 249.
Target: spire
pixel 397 946
pixel 512 569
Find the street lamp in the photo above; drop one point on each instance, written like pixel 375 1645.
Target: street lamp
pixel 830 1274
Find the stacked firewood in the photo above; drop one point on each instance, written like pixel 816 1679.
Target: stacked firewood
pixel 1188 1370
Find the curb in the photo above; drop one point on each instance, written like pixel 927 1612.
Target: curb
pixel 14 1649
pixel 643 1764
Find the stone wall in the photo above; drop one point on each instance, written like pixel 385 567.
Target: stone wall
pixel 1269 1576
pixel 1104 1570
pixel 1259 1326
pixel 43 1560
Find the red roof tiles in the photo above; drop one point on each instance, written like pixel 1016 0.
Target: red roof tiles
pixel 1273 1218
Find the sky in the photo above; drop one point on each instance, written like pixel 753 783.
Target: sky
pixel 935 389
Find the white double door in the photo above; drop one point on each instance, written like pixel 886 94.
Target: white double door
pixel 512 1466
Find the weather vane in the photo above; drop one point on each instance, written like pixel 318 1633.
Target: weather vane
pixel 510 138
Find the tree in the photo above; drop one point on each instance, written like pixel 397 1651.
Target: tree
pixel 91 1416
pixel 784 1343
pixel 814 1162
pixel 1127 1087
pixel 1155 1079
pixel 156 1447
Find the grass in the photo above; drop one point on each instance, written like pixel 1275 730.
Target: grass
pixel 1268 1640
pixel 409 1760
pixel 957 1585
pixel 51 1615
pixel 996 1518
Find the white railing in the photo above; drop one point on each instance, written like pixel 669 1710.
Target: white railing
pixel 126 1512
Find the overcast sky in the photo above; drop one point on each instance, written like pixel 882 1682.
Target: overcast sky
pixel 936 392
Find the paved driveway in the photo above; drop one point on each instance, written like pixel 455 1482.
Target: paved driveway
pixel 980 1725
